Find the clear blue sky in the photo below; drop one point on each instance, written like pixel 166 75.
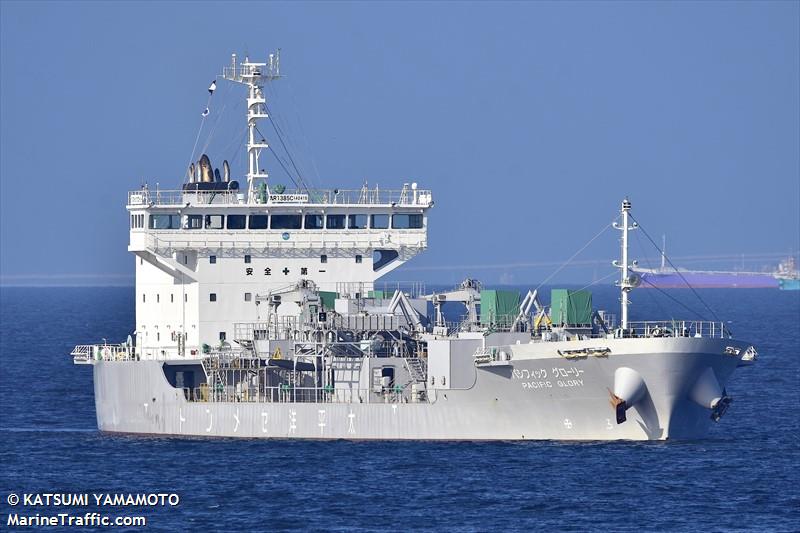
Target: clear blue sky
pixel 529 120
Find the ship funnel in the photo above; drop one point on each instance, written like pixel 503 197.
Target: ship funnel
pixel 708 393
pixel 206 172
pixel 226 171
pixel 216 175
pixel 191 173
pixel 629 388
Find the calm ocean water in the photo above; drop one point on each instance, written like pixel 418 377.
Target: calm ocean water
pixel 744 476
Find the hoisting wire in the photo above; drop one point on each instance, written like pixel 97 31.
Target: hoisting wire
pixel 662 291
pixel 218 116
pixel 595 282
pixel 568 261
pixel 302 131
pixel 213 129
pixel 677 271
pixel 280 123
pixel 283 144
pixel 203 115
pixel 280 161
pixel 649 265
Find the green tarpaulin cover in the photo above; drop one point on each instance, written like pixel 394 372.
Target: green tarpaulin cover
pixel 570 308
pixel 499 307
pixel 328 299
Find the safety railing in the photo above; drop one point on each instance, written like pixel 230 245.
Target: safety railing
pixel 365 196
pixel 381 290
pixel 678 328
pixel 289 394
pixel 84 354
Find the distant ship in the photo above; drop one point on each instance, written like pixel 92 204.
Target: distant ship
pixel 708 279
pixel 788 276
pixel 667 277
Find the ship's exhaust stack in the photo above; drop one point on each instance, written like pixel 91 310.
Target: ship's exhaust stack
pixel 191 173
pixel 708 393
pixel 226 171
pixel 206 172
pixel 217 177
pixel 629 388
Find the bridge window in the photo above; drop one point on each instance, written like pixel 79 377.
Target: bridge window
pixel 237 221
pixel 248 296
pixel 165 221
pixel 335 221
pixel 212 259
pixel 314 221
pixel 286 222
pixel 407 221
pixel 379 221
pixel 194 222
pixel 214 221
pixel 212 297
pixel 247 258
pixel 323 258
pixel 358 259
pixel 259 221
pixel 357 221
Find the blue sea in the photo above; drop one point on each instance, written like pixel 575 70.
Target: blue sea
pixel 744 476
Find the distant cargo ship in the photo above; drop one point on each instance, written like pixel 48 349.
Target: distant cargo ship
pixel 666 277
pixel 707 279
pixel 788 276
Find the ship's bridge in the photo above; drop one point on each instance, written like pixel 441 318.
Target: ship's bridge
pixel 369 230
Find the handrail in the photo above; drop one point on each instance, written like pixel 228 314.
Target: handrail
pixel 679 328
pixel 175 197
pixel 289 394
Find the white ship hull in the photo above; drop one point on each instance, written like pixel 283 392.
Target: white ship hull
pixel 536 395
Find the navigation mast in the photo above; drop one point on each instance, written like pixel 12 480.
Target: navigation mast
pixel 627 281
pixel 254 75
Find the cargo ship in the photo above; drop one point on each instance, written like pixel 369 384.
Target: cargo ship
pixel 788 275
pixel 258 314
pixel 669 277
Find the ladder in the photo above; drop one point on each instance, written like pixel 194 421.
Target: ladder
pixel 418 369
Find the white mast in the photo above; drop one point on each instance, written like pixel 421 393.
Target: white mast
pixel 627 280
pixel 253 75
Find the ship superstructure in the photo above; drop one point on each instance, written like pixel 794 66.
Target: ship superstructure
pixel 258 314
pixel 203 253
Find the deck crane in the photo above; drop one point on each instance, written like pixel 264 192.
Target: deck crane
pixel 468 293
pixel 303 293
